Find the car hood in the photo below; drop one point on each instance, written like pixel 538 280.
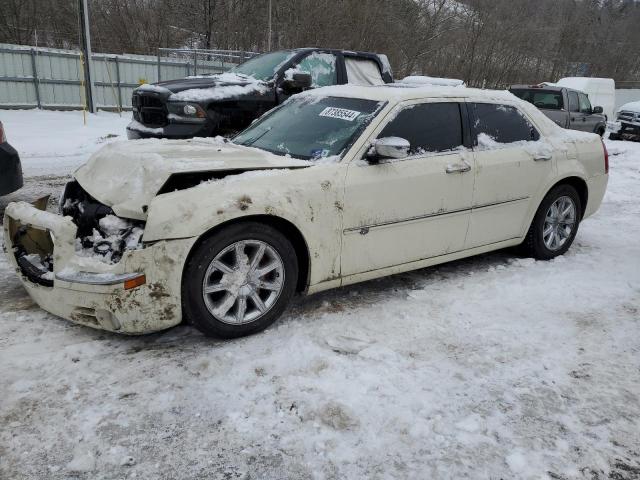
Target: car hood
pixel 630 107
pixel 127 175
pixel 177 89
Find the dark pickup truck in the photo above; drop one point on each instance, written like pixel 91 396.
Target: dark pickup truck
pixel 567 107
pixel 209 105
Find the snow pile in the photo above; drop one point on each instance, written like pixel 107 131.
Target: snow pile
pixel 56 143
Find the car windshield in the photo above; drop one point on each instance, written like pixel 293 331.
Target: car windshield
pixel 310 127
pixel 264 67
pixel 547 99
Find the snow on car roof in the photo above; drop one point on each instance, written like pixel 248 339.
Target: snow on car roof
pixel 399 92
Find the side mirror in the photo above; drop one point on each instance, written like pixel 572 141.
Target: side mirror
pixel 297 82
pixel 597 110
pixel 389 147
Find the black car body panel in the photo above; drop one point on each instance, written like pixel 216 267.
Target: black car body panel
pixel 10 169
pixel 156 108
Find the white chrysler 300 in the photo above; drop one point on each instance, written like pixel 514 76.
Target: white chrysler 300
pixel 335 186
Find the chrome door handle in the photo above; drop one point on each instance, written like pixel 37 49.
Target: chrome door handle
pixel 542 158
pixel 458 167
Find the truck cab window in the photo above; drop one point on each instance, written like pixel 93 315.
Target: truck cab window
pixel 321 66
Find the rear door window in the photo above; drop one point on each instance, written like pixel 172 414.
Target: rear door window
pixel 574 104
pixel 429 127
pixel 501 124
pixel 362 71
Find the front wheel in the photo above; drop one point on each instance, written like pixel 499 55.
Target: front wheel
pixel 555 224
pixel 239 281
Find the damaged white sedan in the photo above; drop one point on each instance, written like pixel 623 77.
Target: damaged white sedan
pixel 336 186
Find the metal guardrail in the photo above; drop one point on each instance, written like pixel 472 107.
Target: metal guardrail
pixel 52 78
pixel 215 55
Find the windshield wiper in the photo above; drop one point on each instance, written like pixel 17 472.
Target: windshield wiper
pixel 253 140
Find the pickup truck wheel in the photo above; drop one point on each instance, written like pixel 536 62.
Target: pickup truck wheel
pixel 614 136
pixel 555 224
pixel 239 281
pixel 601 131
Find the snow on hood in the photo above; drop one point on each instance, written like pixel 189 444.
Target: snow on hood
pixel 631 107
pixel 127 175
pixel 225 85
pixel 207 87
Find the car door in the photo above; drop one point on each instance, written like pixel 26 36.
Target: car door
pixel 577 119
pixel 512 163
pixel 590 120
pixel 401 211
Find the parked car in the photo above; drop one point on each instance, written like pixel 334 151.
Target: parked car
pixel 627 123
pixel 209 105
pixel 338 185
pixel 601 91
pixel 567 107
pixel 10 167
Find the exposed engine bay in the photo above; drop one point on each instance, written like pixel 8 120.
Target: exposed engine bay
pixel 101 233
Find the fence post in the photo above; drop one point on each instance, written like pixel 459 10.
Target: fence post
pixel 36 81
pixel 159 75
pixel 195 62
pixel 118 80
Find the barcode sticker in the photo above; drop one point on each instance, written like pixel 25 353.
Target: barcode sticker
pixel 341 113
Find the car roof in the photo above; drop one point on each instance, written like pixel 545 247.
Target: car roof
pixel 541 86
pixel 400 92
pixel 553 87
pixel 334 50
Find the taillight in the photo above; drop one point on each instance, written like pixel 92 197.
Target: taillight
pixel 606 157
pixel 3 138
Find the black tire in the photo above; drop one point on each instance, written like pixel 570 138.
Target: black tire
pixel 193 304
pixel 534 245
pixel 614 136
pixel 601 131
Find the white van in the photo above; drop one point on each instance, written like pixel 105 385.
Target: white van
pixel 601 91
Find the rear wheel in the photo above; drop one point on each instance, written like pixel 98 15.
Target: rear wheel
pixel 614 136
pixel 600 131
pixel 239 281
pixel 555 224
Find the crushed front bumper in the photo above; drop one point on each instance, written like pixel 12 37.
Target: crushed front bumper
pixel 624 128
pixel 88 291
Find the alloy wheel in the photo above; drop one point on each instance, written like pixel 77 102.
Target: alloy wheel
pixel 559 222
pixel 243 282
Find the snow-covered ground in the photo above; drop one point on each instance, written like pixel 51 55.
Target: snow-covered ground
pixel 491 367
pixel 56 143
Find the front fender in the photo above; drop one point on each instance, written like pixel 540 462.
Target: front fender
pixel 310 199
